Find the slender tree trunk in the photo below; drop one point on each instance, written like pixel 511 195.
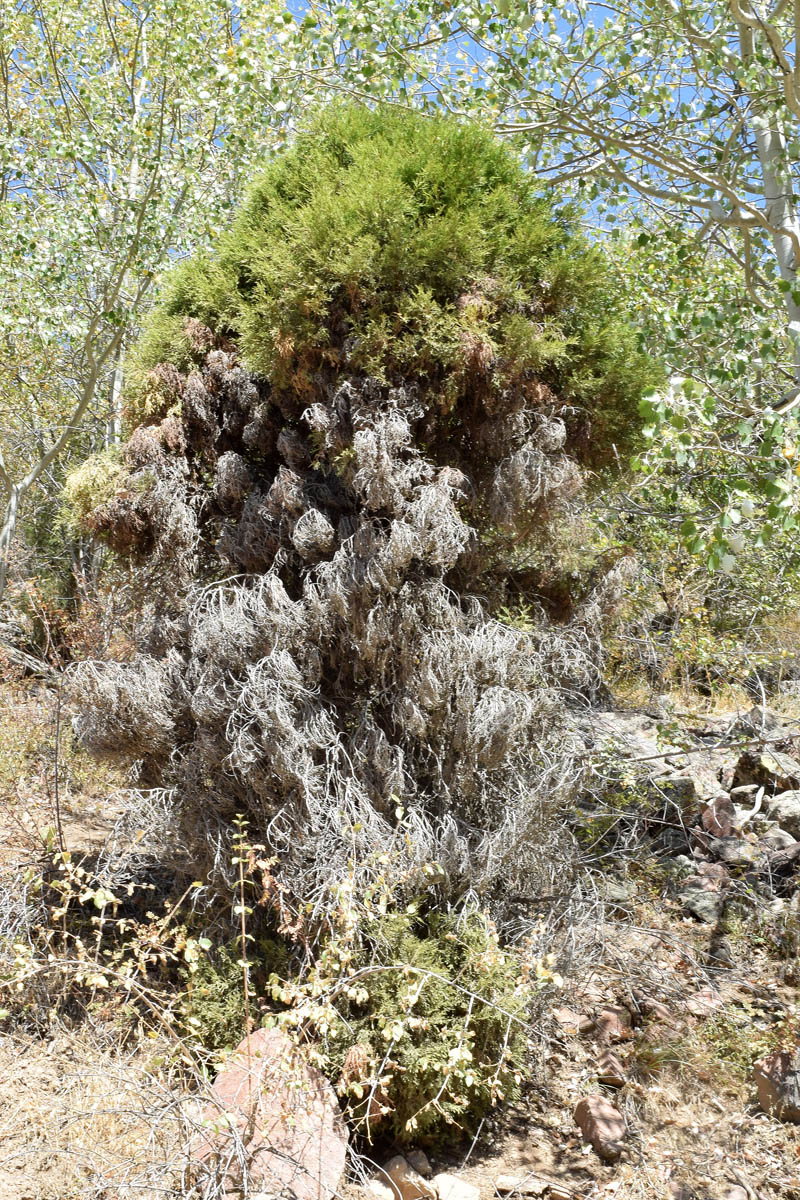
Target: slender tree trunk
pixel 114 420
pixel 17 491
pixel 779 204
pixel 7 532
pixel 782 214
pixel 138 93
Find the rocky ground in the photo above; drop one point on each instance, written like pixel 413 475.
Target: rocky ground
pixel 680 981
pixel 662 1068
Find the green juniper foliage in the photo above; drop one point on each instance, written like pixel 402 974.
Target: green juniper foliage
pixel 405 246
pixel 434 1032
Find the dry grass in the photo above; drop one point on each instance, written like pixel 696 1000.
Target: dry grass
pixel 80 1120
pixel 104 1112
pixel 692 1117
pixel 30 804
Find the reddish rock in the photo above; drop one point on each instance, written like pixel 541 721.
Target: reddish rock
pixel 602 1126
pixel 591 994
pixel 717 817
pixel 698 882
pixel 656 1009
pixel 704 1002
pixel 406 1183
pixel 777 1079
pixel 662 1033
pixel 284 1114
pixel 713 872
pixel 610 1070
pixel 613 1025
pixel 568 1019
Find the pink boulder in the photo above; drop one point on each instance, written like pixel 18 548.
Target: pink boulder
pixel 717 817
pixel 602 1126
pixel 777 1078
pixel 274 1124
pixel 704 1002
pixel 613 1025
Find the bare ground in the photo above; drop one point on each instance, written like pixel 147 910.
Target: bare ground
pixel 95 1112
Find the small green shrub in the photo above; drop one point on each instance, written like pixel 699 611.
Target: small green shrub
pixel 420 1020
pixel 738 1036
pixel 214 1005
pixel 87 487
pixel 407 246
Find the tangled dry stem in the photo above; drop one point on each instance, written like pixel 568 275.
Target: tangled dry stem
pixel 346 663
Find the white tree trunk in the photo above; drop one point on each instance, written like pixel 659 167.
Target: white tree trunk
pixel 781 213
pixel 114 420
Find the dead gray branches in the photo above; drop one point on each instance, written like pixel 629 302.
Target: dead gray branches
pixel 351 669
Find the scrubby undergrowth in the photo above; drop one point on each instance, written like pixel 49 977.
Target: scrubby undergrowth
pixel 346 425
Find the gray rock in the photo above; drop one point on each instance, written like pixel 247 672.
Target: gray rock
pixel 418 1159
pixel 678 864
pixel 759 723
pixel 619 891
pixel 450 1187
pixel 633 735
pixel 524 1185
pixel 720 953
pixel 637 736
pixel 740 817
pixel 776 838
pixel 785 860
pixel 377 1189
pixel 785 811
pixel 673 840
pixel 736 852
pixel 745 794
pixel 684 789
pixel 776 771
pixel 706 769
pixel 705 906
